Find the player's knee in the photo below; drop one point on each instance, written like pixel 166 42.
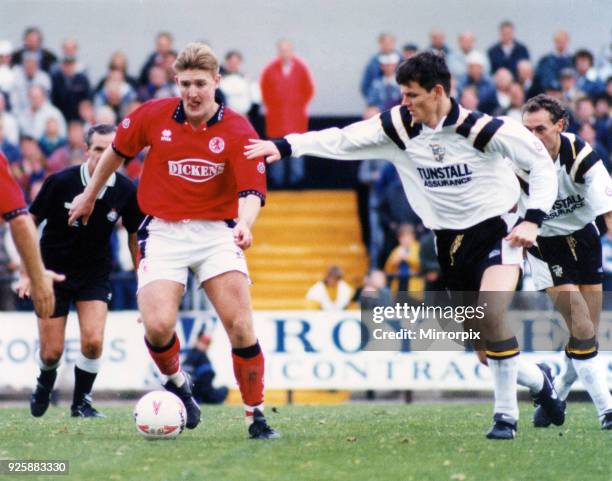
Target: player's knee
pixel 92 348
pixel 50 355
pixel 159 333
pixel 240 332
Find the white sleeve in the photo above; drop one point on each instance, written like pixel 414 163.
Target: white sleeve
pixel 599 189
pixel 359 141
pixel 526 151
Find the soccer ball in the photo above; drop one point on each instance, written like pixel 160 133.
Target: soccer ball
pixel 160 415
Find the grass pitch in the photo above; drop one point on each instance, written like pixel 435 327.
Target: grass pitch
pixel 350 442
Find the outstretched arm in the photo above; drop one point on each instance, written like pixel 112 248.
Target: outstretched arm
pixel 248 210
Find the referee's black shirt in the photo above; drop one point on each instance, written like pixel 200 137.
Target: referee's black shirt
pixel 78 249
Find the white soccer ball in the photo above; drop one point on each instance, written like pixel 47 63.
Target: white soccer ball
pixel 160 415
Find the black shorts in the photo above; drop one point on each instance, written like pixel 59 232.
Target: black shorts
pixel 465 254
pixel 567 259
pixel 91 287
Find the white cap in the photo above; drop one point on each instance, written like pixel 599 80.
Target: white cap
pixel 475 58
pixel 6 48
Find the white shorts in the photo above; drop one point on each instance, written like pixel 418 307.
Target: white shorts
pixel 168 250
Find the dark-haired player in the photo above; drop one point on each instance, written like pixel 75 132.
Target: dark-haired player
pixel 83 254
pixel 452 164
pixel 195 182
pixel 567 260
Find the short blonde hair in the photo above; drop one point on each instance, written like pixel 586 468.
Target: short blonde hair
pixel 197 56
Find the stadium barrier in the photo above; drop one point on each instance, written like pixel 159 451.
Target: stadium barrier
pixel 304 350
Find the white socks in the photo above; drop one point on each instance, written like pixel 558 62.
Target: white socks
pixel 89 365
pixel 593 378
pixel 530 376
pixel 566 378
pixel 505 373
pixel 178 378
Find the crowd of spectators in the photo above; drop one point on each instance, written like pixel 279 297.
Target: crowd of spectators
pixel 48 101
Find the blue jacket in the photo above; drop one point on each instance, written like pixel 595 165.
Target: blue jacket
pixel 498 58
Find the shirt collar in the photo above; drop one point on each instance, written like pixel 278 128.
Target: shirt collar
pixel 86 179
pixel 453 115
pixel 180 116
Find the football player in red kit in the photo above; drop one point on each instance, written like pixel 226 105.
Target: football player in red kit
pixel 201 197
pixel 13 210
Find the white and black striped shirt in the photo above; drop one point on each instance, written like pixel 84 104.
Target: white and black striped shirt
pixel 455 176
pixel 585 188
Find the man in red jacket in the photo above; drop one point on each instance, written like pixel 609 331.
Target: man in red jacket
pixel 287 89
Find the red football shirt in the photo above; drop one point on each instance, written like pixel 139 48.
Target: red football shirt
pixel 190 173
pixel 12 202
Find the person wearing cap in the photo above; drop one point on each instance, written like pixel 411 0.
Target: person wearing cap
pixel 476 77
pixel 384 92
pixel 409 50
pixel 69 88
pixel 386 45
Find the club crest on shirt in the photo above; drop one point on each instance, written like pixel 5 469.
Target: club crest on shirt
pixel 216 145
pixel 557 270
pixel 261 168
pixel 166 135
pixel 438 152
pixel 125 123
pixel 112 215
pixel 195 170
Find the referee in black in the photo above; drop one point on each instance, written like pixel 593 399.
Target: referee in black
pixel 83 254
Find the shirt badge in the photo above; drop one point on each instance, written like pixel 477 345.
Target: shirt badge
pixel 125 123
pixel 166 135
pixel 216 145
pixel 112 216
pixel 261 168
pixel 438 151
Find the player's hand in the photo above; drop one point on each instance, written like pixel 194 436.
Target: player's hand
pixel 523 235
pixel 242 236
pixel 262 148
pixel 81 208
pixel 42 293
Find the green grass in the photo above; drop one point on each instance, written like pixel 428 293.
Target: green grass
pixel 350 442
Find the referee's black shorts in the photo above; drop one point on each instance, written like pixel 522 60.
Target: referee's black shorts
pixel 81 287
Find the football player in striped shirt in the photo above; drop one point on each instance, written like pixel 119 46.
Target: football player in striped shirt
pixel 452 165
pixel 567 260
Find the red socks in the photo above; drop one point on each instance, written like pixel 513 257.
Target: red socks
pixel 166 357
pixel 249 372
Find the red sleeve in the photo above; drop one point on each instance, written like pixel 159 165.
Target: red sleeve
pixel 12 202
pixel 250 174
pixel 131 135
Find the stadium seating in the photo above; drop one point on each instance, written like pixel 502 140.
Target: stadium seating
pixel 297 236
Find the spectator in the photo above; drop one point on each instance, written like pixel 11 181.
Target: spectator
pixel 385 92
pixel 105 115
pixel 33 45
pixel 26 76
pixel 386 45
pixel 87 114
pixel 526 77
pixel 118 63
pixel 70 49
pixel 33 121
pixel 240 93
pixel 163 46
pixel 9 149
pixel 409 50
pixel 587 80
pixel 517 99
pixel 403 262
pixel 584 113
pixel 477 78
pixel 469 98
pixel 7 75
pixel 287 89
pixel 157 80
pixel 503 81
pixel 31 169
pixel 588 134
pixel 604 63
pixel 569 91
pixel 69 87
pixel 507 52
pixel 456 61
pixel 9 122
pixel 74 152
pixel 198 366
pixel 603 121
pixel 330 294
pixel 550 66
pixel 116 94
pixel 375 291
pixel 51 139
pixel 437 42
